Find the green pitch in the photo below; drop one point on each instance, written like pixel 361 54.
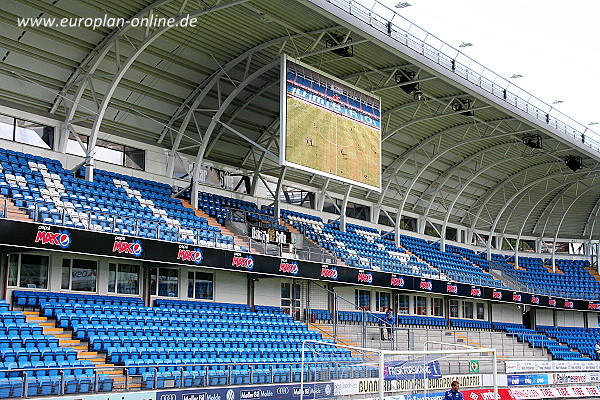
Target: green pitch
pixel 327 142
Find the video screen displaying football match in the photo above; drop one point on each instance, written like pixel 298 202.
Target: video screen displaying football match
pixel 330 127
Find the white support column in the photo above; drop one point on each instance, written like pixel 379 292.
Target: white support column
pixel 276 203
pixel 344 207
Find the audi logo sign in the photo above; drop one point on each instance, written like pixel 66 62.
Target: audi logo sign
pixel 283 390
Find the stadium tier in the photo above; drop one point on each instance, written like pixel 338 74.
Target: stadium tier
pixel 218 343
pixel 113 203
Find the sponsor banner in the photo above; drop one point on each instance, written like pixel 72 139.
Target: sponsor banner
pixel 555 392
pixel 256 392
pixel 574 377
pixel 270 235
pixel 347 387
pixel 551 366
pixel 47 236
pixel 222 179
pixel 530 379
pixel 112 396
pixel 400 370
pixel 487 394
pixel 29 235
pixel 420 396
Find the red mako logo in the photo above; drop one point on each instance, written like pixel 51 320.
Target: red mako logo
pixel 569 304
pixel 241 261
pixel 190 255
pixel 365 277
pixel 288 267
pixel 516 297
pixel 123 247
pixel 426 285
pixel 331 273
pixel 60 238
pixel 397 281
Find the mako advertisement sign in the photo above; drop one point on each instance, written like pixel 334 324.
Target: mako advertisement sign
pixel 28 235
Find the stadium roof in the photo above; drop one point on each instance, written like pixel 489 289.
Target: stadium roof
pixel 454 153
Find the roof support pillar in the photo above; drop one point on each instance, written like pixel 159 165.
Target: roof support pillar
pixel 277 202
pixel 344 207
pixel 121 70
pixel 215 119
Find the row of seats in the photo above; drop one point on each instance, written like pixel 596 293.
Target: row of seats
pixel 114 203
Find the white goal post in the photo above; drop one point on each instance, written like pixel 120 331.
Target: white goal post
pixel 324 361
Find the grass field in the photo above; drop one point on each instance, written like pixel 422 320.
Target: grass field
pixel 327 142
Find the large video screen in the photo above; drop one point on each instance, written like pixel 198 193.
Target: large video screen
pixel 329 127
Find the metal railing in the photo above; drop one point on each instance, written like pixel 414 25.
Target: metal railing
pixel 95 379
pixel 108 222
pixel 419 40
pixel 511 276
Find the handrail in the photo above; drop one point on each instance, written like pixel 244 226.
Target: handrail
pixel 465 67
pixel 178 381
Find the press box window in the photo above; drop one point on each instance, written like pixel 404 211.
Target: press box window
pixel 164 282
pixel 200 285
pixel 26 132
pixel 383 301
pixel 453 305
pixel 480 308
pixel 437 307
pixel 123 279
pixel 468 309
pixel 362 298
pixel 403 304
pixel 28 271
pixel 420 305
pixel 79 275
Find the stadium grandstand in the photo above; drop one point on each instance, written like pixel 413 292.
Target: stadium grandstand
pixel 156 244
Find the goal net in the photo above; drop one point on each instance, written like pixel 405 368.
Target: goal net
pixel 353 372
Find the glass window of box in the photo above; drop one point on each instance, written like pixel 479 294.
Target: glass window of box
pixel 420 306
pixel 468 309
pixel 437 306
pixel 383 301
pixel 123 278
pixel 79 275
pixel 403 304
pixel 200 285
pixel 164 282
pixel 453 305
pixel 480 309
pixel 362 298
pixel 28 271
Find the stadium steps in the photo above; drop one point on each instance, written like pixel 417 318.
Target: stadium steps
pixel 507 347
pixel 311 242
pixel 410 253
pixel 327 331
pixel 212 222
pixel 556 270
pixel 65 339
pixel 519 268
pixel 477 266
pixel 13 212
pixel 593 273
